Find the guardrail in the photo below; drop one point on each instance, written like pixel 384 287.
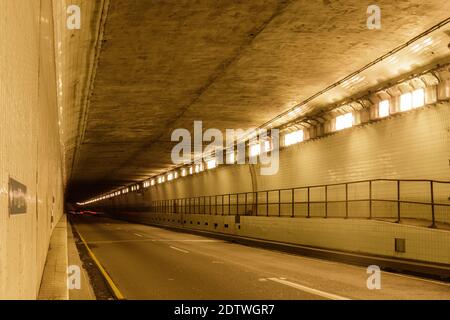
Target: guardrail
pixel 373 199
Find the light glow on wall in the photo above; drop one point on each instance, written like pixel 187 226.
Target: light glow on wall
pixel 293 138
pixel 170 177
pixel 344 121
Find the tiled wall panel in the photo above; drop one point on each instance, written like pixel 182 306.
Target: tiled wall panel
pixel 29 143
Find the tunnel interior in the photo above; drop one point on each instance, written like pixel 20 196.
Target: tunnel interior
pixel 322 125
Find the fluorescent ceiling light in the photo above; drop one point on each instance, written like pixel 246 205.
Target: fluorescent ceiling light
pixel 267 146
pixel 211 164
pixel 293 137
pixel 230 157
pixel 418 98
pixel 255 149
pixel 406 101
pixel 383 108
pixel 344 121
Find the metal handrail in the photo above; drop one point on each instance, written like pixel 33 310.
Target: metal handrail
pixel 199 205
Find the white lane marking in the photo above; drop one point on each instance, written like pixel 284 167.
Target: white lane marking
pixel 189 240
pixel 417 278
pixel 175 248
pixel 139 235
pixel 308 289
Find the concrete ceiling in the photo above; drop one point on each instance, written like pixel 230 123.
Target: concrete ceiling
pixel 231 64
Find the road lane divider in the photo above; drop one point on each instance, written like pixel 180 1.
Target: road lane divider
pixel 115 290
pixel 178 249
pixel 139 235
pixel 308 289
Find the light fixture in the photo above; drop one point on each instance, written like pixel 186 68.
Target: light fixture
pixel 383 108
pixel 211 164
pixel 293 137
pixel 344 121
pixel 230 157
pixel 418 98
pixel 170 177
pixel 255 149
pixel 406 101
pixel 267 146
pixel 183 172
pixel 198 168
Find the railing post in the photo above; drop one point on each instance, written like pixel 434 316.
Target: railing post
pixel 223 205
pixel 229 203
pixel 279 202
pixel 246 198
pixel 326 201
pixel 398 201
pixel 308 216
pixel 346 201
pixel 370 199
pixel 237 204
pixel 256 202
pixel 267 203
pixel 293 203
pixel 433 223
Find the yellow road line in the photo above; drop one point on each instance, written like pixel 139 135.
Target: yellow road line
pixel 108 279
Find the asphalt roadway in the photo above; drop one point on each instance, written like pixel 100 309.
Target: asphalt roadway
pixel 147 262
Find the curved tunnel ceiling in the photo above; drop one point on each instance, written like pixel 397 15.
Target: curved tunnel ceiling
pixel 231 64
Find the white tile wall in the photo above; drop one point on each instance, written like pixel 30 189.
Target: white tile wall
pixel 29 143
